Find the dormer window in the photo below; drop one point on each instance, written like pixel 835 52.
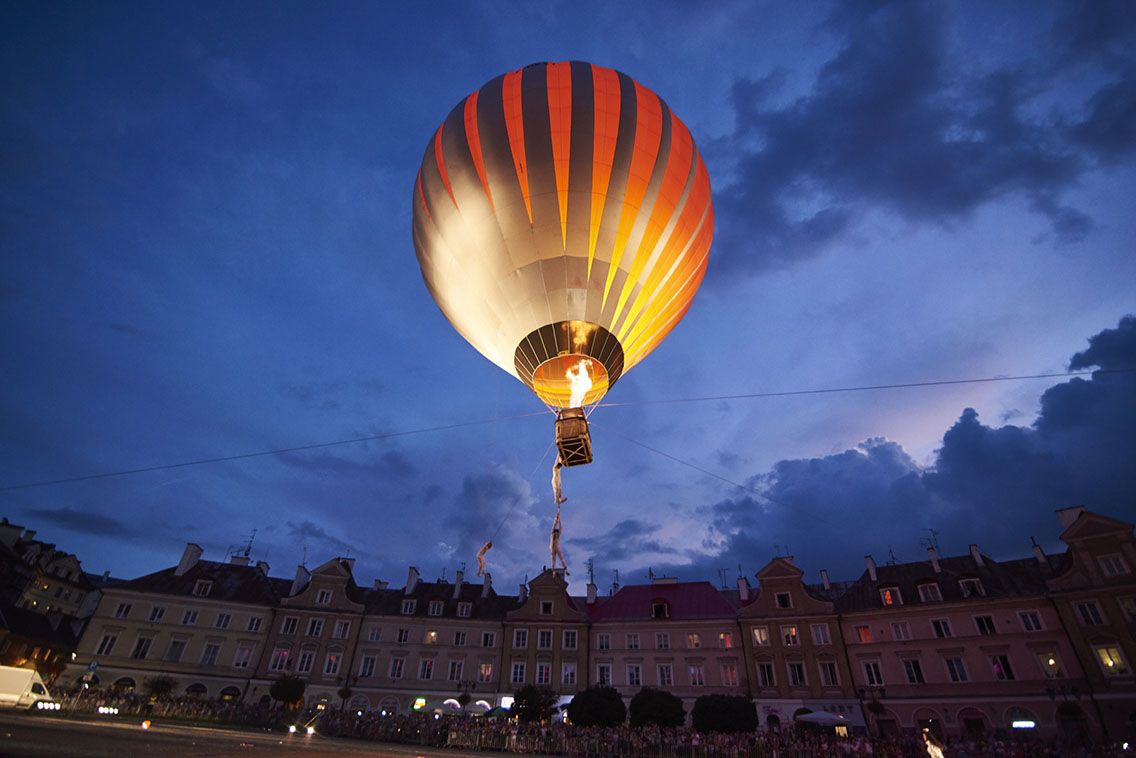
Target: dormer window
pixel 408 607
pixel 464 609
pixel 323 597
pixel 1113 565
pixel 890 596
pixel 972 588
pixel 929 593
pixel 660 610
pixel 545 607
pixel 435 607
pixel 202 588
pixel 784 600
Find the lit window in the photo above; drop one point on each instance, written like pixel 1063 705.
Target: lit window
pixel 697 675
pixel 761 635
pixel 789 636
pixel 1050 665
pixel 729 675
pixel 485 672
pixel 891 596
pixel 1000 664
pixel 431 637
pixel 1111 660
pixel 863 633
pixel 568 674
pixel 279 659
pixel 725 640
pixel 693 639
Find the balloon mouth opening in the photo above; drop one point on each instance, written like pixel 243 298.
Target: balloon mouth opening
pixel 560 381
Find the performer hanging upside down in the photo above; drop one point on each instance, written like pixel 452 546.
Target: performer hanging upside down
pixel 554 543
pixel 557 491
pixel 481 557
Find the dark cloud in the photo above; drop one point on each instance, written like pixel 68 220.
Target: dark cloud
pixel 894 121
pixel 628 538
pixel 74 520
pixel 317 538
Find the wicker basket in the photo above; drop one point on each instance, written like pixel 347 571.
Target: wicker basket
pixel 573 440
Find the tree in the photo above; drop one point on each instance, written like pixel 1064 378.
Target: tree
pixel 597 706
pixel 658 707
pixel 288 689
pixel 159 686
pixel 724 713
pixel 533 704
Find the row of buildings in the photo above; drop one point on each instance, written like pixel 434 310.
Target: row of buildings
pixel 954 643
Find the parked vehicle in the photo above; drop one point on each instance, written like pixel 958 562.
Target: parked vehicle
pixel 23 688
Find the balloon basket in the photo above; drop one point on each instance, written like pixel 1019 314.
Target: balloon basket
pixel 573 440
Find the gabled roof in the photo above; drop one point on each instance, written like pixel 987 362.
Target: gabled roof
pixel 231 582
pixel 686 600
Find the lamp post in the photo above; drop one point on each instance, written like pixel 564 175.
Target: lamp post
pixel 467 685
pixel 874 694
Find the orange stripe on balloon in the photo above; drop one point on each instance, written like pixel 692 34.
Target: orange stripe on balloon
pixel 648 133
pixel 442 164
pixel 605 96
pixel 422 196
pixel 560 121
pixel 515 126
pixel 474 139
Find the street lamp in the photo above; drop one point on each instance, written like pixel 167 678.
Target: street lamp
pixel 874 694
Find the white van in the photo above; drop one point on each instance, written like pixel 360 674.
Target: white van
pixel 23 688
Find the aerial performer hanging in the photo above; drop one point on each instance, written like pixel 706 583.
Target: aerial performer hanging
pixel 562 220
pixel 554 543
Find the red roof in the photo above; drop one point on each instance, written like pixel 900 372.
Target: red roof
pixel 685 600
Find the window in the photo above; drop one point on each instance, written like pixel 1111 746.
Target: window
pixel 891 596
pixel 634 675
pixel 175 650
pixel 603 674
pixel 761 635
pixel 435 608
pixel 697 675
pixel 142 648
pixel 544 639
pixel 278 660
pixel 569 639
pixel 1128 608
pixel 211 653
pixel 913 669
pixel 403 636
pixel 633 641
pixel 189 618
pixel 107 644
pixel 243 656
pixel 426 668
pixel 929 593
pixel 290 625
pixel 666 675
pixel 331 665
pixel 789 636
pixel 765 674
pixel 941 628
pixel 872 673
pixel 408 607
pixel 820 634
pixel 1000 664
pixel 431 637
pixel 315 627
pixel 693 639
pixel 725 640
pixel 520 638
pixel 662 641
pixel 543 673
pixel 1090 613
pixel 456 669
pixel 729 675
pixel 305 661
pixel 985 625
pixel 828 675
pixel 374 633
pixel 488 639
pixel 341 631
pixel 1050 665
pixel 900 630
pixel 545 607
pixel 122 611
pixel 603 642
pixel 323 597
pixel 1111 660
pixel 223 620
pixel 459 639
pixel 956 670
pixel 972 588
pixel 254 623
pixel 367 666
pixel 398 665
pixel 863 633
pixel 157 613
pixel 518 672
pixel 784 600
pixel 464 610
pixel 568 674
pixel 1031 621
pixel 202 587
pixel 485 672
pixel 660 610
pixel 1113 565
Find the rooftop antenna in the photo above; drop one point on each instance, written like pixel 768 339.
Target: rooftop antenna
pixel 931 540
pixel 443 573
pixel 304 562
pixel 650 573
pixel 248 545
pixel 777 549
pixel 722 576
pixel 740 572
pixel 591 571
pixel 891 556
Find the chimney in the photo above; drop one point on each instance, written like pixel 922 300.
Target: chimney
pixel 238 560
pixel 1065 515
pixel 301 580
pixel 459 577
pixel 487 584
pixel 824 579
pixel 263 566
pixel 591 593
pixel 871 567
pixel 411 581
pixel 976 555
pixel 934 556
pixel 523 593
pixel 29 534
pixel 743 589
pixel 189 558
pixel 348 563
pixel 615 586
pixel 1039 553
pixel 380 584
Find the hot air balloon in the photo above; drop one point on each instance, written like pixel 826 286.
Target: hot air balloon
pixel 562 221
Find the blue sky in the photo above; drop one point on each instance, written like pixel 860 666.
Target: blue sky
pixel 206 247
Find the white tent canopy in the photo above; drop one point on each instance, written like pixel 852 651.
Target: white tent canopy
pixel 824 718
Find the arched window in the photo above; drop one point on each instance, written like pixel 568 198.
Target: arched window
pixel 125 684
pixel 230 693
pixel 360 703
pixel 197 689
